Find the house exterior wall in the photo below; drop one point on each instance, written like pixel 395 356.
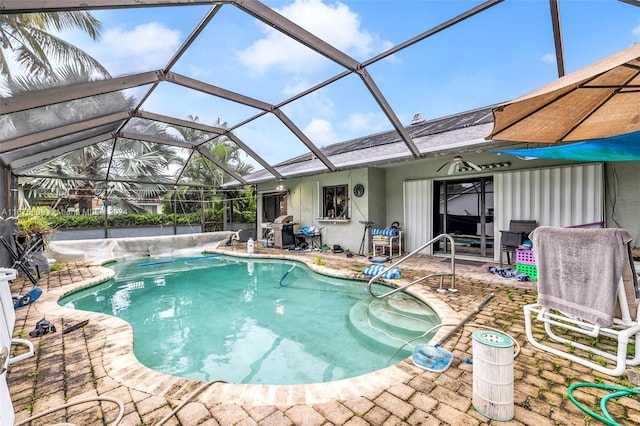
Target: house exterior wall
pixel 377 194
pixel 383 200
pixel 304 197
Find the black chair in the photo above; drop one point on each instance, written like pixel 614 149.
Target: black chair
pixel 510 240
pixel 22 255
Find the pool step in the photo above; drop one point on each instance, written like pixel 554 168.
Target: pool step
pixel 388 324
pixel 386 315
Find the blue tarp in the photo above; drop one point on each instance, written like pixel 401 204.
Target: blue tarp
pixel 617 148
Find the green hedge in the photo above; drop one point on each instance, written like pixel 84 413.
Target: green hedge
pixel 123 220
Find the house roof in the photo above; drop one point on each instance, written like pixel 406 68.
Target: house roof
pixel 457 133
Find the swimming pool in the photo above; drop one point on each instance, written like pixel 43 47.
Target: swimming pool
pixel 254 320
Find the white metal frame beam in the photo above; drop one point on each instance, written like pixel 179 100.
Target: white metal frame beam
pixel 210 89
pixel 155 139
pixel 248 101
pixel 209 129
pixel 268 167
pixel 305 140
pixel 73 92
pixel 58 132
pixel 48 155
pixel 120 180
pixel 22 6
pixel 206 154
pixel 177 122
pixel 557 35
pixel 252 7
pixel 181 144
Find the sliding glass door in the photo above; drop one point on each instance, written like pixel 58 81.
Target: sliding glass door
pixel 463 208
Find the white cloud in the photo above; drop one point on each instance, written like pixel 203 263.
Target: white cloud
pixel 366 122
pixel 636 31
pixel 144 48
pixel 316 103
pixel 121 51
pixel 320 132
pixel 295 86
pixel 549 58
pixel 336 24
pixel 199 72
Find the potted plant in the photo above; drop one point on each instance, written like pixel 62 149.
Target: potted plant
pixel 33 226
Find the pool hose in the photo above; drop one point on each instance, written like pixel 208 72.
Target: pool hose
pixel 286 273
pixel 606 418
pixel 437 326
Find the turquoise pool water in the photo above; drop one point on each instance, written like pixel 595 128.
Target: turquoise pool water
pixel 240 320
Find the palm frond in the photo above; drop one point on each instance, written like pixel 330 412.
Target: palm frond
pixel 30 40
pixel 81 20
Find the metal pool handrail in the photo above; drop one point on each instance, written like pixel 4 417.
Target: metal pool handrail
pixel 413 253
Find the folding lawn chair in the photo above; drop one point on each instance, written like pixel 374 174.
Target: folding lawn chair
pixel 21 256
pixel 587 310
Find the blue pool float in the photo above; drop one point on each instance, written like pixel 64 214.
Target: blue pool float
pixel 27 298
pixel 376 269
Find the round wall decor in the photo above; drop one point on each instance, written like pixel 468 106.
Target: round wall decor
pixel 358 190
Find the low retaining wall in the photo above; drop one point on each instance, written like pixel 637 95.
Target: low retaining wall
pixel 117 248
pixel 114 232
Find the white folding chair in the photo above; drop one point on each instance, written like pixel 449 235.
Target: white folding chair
pixel 604 348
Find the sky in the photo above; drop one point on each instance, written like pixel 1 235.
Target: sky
pixel 492 57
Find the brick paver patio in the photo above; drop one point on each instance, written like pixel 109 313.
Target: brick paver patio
pixel 93 361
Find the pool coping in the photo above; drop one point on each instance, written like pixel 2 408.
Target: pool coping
pixel 122 366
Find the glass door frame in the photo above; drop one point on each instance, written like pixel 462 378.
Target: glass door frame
pixel 441 198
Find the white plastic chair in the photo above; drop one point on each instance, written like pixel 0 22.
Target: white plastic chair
pixel 602 348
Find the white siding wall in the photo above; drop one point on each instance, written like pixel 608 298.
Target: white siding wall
pixel 558 196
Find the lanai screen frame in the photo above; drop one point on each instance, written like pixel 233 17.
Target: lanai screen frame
pixel 22 154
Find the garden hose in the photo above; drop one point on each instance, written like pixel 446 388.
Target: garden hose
pixel 71 404
pixel 620 391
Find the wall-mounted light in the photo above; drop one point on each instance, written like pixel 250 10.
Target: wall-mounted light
pixel 280 186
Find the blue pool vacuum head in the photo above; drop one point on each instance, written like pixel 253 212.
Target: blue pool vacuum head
pixel 432 358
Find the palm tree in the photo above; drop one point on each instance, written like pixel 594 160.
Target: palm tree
pixel 201 171
pixel 80 172
pixel 123 184
pixel 27 38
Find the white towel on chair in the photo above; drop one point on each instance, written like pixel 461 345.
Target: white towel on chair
pixel 579 270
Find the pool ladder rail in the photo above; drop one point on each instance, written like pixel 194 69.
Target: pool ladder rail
pixel 441 275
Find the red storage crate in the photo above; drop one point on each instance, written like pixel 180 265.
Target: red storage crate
pixel 525 256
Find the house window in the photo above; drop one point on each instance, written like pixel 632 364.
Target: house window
pixel 335 201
